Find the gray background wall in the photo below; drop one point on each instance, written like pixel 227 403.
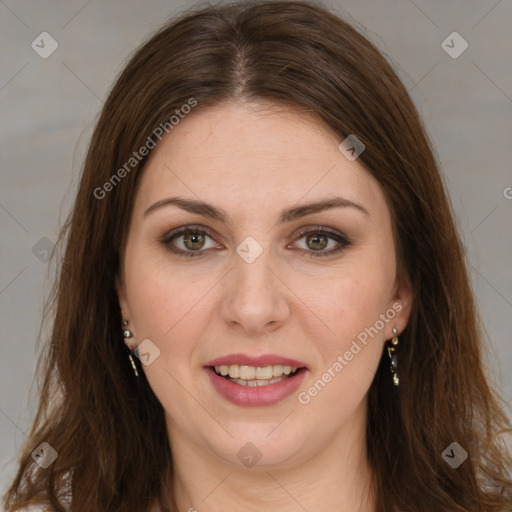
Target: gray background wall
pixel 49 105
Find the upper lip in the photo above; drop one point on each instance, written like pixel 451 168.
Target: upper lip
pixel 263 360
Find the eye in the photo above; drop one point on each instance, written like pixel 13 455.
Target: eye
pixel 320 238
pixel 193 241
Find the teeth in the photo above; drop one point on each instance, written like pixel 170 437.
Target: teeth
pixel 257 382
pixel 277 370
pixel 265 373
pixel 255 373
pixel 247 372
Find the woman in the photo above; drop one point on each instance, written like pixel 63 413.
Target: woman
pixel 263 301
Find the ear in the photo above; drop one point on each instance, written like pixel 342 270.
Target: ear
pixel 121 295
pixel 401 302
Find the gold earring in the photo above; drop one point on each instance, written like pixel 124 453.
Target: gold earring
pixel 129 334
pixel 393 358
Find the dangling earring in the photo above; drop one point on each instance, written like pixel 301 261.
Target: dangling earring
pixel 129 334
pixel 393 358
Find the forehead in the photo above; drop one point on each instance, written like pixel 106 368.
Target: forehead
pixel 254 154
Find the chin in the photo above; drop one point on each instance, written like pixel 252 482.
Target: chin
pixel 261 448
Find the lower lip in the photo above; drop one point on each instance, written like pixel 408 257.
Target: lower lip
pixel 256 396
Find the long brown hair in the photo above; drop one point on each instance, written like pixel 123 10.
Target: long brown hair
pixel 108 427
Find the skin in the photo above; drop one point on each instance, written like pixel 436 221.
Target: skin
pixel 253 161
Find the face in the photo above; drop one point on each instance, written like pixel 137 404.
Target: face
pixel 256 247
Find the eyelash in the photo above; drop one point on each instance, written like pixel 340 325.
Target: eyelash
pixel 338 237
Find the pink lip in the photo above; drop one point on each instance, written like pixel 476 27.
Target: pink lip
pixel 246 360
pixel 257 396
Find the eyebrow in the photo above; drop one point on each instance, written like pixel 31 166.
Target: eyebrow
pixel 215 213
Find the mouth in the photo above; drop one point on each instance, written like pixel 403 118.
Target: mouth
pixel 255 376
pixel 250 381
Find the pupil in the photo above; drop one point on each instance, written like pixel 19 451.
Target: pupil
pixel 316 243
pixel 194 239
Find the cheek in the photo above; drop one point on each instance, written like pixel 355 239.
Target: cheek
pixel 356 309
pixel 171 307
pixel 166 309
pixel 354 299
pixel 160 294
pixel 350 357
pixel 359 333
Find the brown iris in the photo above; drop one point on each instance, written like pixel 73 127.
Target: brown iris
pixel 318 241
pixel 193 241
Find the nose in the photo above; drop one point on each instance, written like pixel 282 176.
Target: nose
pixel 255 298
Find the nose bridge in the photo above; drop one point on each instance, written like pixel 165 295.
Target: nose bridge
pixel 255 296
pixel 252 267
